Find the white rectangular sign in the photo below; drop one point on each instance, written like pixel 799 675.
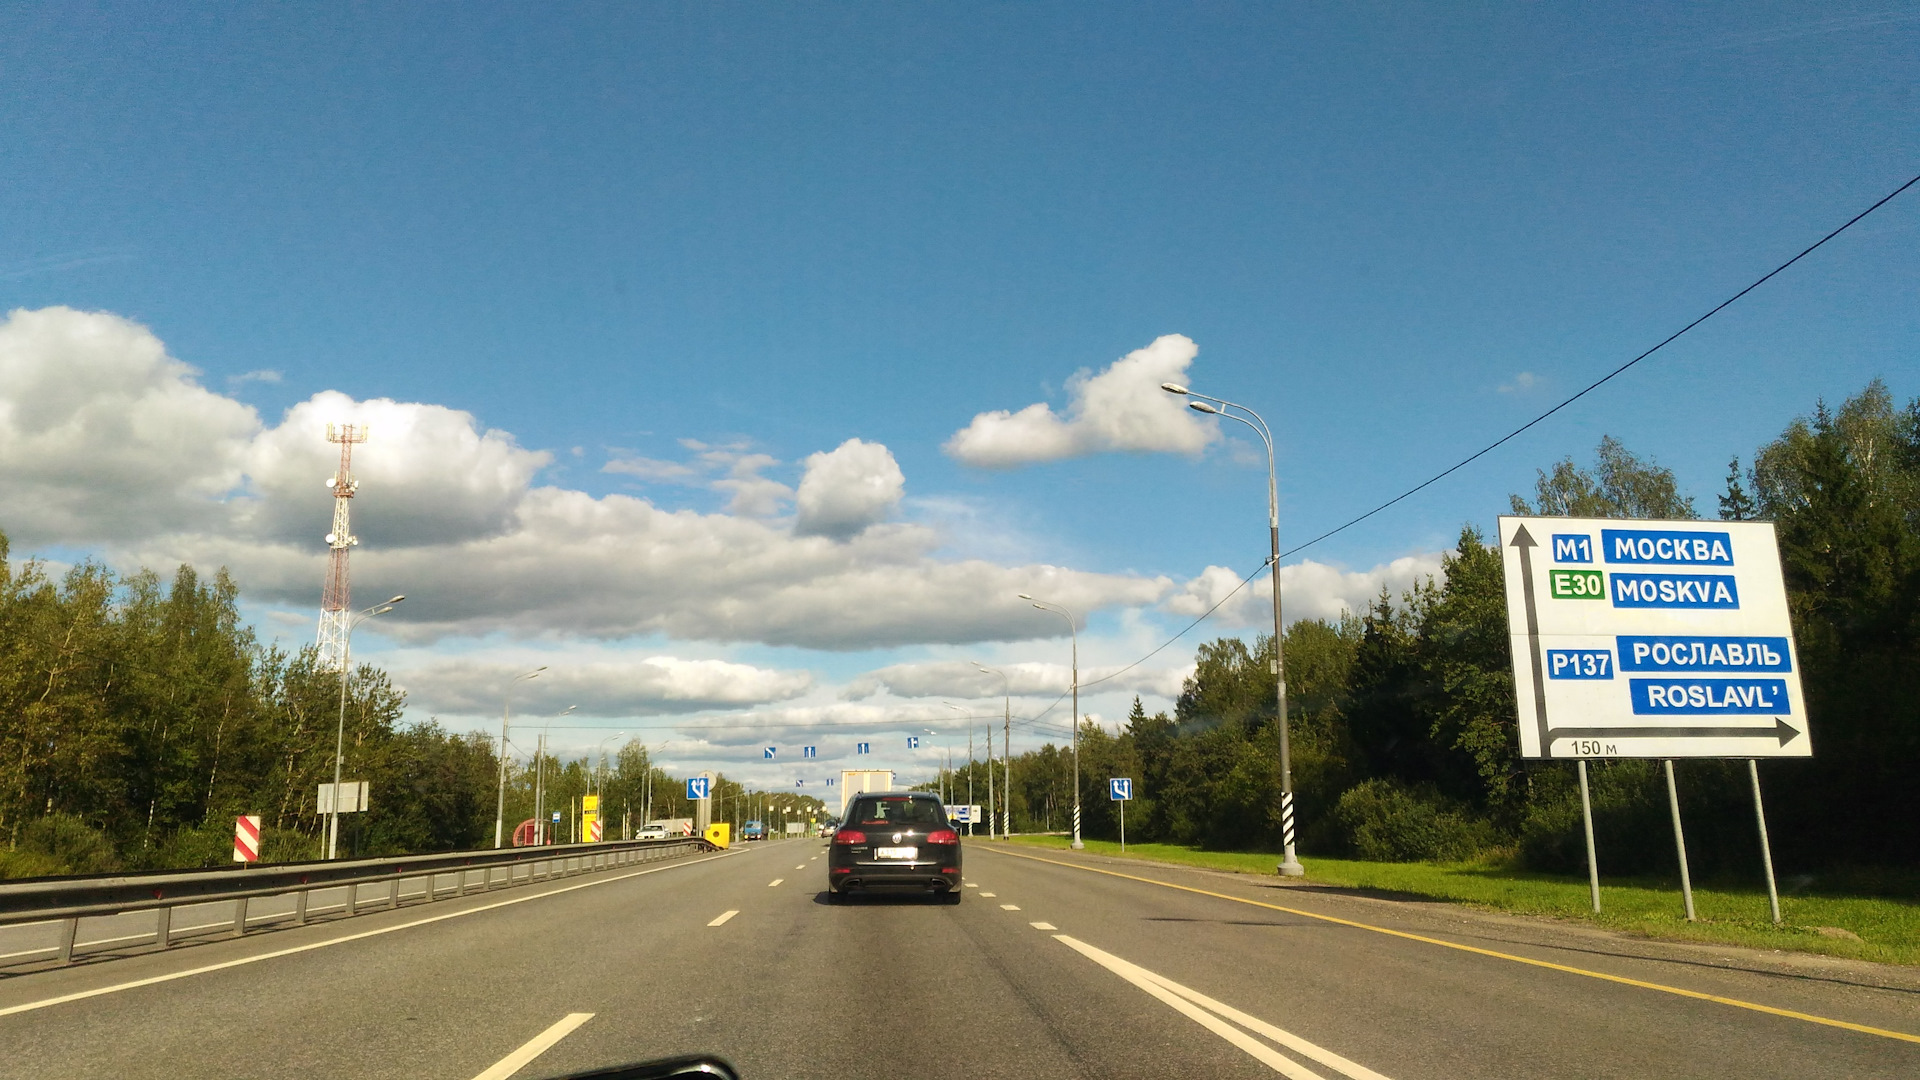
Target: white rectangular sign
pixel 353 798
pixel 1651 639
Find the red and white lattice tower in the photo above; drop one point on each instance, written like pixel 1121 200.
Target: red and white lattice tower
pixel 336 602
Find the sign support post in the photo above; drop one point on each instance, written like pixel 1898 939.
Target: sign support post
pixel 1766 849
pixel 1679 840
pixel 1586 819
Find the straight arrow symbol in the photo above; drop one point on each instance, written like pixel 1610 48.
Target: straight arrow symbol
pixel 1780 729
pixel 1523 540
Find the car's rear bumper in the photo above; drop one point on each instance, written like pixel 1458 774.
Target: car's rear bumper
pixel 887 876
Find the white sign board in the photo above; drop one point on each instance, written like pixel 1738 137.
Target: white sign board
pixel 964 813
pixel 1651 639
pixel 353 798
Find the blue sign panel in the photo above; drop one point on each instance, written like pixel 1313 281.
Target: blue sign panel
pixel 1572 547
pixel 913 742
pixel 1120 788
pixel 860 748
pixel 809 751
pixel 1665 547
pixel 1676 653
pixel 1674 590
pixel 1710 697
pixel 767 753
pixel 696 787
pixel 1579 664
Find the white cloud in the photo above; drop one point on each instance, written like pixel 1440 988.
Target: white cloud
pixel 108 443
pixel 959 679
pixel 104 436
pixel 732 469
pixel 1521 383
pixel 605 688
pixel 1121 408
pixel 1308 590
pixel 848 489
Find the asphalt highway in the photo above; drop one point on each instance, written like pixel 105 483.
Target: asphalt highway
pixel 1054 965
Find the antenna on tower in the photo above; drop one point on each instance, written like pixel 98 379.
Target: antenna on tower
pixel 336 600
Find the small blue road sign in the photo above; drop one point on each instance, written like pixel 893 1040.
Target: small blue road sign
pixel 913 742
pixel 809 751
pixel 860 748
pixel 556 815
pixel 767 753
pixel 1120 788
pixel 697 787
pixel 799 783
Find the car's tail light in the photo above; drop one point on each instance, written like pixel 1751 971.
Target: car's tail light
pixel 849 836
pixel 943 836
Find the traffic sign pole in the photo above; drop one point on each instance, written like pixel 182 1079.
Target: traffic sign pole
pixel 1766 849
pixel 1679 841
pixel 1586 819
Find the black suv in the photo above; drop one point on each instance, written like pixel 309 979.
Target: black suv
pixel 897 842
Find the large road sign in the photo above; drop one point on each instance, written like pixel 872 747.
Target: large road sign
pixel 697 788
pixel 1651 639
pixel 1120 788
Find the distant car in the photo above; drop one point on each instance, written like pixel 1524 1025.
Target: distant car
pixel 896 842
pixel 651 832
pixel 753 830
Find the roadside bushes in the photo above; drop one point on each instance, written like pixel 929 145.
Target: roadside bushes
pixel 58 844
pixel 1385 821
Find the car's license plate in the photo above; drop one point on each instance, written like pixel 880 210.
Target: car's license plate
pixel 896 853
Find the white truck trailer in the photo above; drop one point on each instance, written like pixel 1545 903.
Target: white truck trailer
pixel 859 782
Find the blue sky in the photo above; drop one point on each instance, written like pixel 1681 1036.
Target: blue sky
pixel 1396 231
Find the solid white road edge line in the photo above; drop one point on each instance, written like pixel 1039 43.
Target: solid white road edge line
pixel 81 995
pixel 1186 1000
pixel 724 916
pixel 535 1046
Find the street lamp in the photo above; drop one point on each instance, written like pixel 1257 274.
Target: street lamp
pixel 506 710
pixel 1213 406
pixel 600 759
pixel 969 713
pixel 340 732
pixel 1006 741
pixel 539 780
pixel 1073 627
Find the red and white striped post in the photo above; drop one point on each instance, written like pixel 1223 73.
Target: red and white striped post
pixel 246 838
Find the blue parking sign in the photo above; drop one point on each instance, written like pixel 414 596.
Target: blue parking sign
pixel 1120 788
pixel 697 787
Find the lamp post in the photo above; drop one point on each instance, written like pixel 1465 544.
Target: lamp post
pixel 506 710
pixel 949 768
pixel 969 713
pixel 340 732
pixel 1006 699
pixel 540 780
pixel 1213 406
pixel 1073 627
pixel 600 763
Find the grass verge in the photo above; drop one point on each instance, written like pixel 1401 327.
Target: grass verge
pixel 1888 928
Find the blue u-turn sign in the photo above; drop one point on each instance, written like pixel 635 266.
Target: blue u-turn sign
pixel 1120 788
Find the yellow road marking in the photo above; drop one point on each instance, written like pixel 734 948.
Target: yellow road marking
pixel 1548 964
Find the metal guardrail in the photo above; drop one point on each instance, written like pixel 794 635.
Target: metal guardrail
pixel 68 900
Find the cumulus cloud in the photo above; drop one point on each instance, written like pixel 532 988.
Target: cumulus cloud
pixel 1121 408
pixel 960 679
pixel 847 489
pixel 1308 590
pixel 608 688
pixel 110 443
pixel 730 468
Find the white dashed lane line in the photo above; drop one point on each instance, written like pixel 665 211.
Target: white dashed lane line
pixel 1009 907
pixel 971 885
pixel 1043 926
pixel 802 866
pixel 724 916
pixel 989 894
pixel 775 881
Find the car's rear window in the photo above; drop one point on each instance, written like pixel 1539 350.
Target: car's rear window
pixel 897 810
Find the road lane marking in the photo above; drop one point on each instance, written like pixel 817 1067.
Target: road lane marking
pixel 1043 926
pixel 802 866
pixel 1529 961
pixel 987 894
pixel 81 995
pixel 971 885
pixel 1009 907
pixel 534 1047
pixel 724 916
pixel 1195 1006
pixel 775 881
